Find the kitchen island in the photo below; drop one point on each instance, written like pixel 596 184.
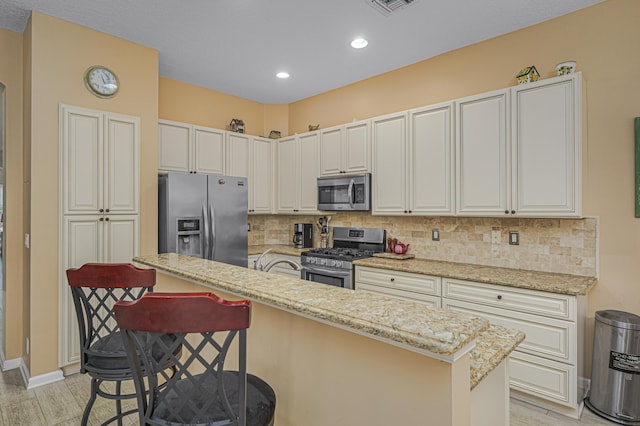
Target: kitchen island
pixel 339 357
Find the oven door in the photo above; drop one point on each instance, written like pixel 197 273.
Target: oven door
pixel 334 277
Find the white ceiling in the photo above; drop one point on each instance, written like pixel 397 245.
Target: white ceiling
pixel 237 46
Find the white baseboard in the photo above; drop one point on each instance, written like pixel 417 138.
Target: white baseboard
pixel 30 382
pixel 9 364
pixel 43 379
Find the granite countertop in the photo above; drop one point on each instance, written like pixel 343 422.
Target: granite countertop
pixel 533 280
pixel 432 331
pixel 492 346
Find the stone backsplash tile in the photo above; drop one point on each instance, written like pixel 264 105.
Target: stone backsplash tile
pixel 552 245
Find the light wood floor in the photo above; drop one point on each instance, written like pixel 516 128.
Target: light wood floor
pixel 62 403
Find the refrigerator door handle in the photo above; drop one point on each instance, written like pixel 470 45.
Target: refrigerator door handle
pixel 212 217
pixel 205 239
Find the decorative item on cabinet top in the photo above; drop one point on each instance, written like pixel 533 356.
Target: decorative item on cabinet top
pixel 313 127
pixel 528 75
pixel 236 125
pixel 275 134
pixel 567 67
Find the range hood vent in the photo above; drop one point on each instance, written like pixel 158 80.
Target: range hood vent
pixel 387 7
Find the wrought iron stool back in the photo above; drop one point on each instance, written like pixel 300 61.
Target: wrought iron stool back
pixel 202 391
pixel 95 288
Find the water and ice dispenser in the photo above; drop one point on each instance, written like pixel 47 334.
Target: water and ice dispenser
pixel 189 236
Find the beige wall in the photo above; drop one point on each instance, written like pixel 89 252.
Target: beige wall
pixel 11 77
pixel 60 53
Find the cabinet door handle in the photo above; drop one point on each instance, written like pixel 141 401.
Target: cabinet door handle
pixel 392 279
pixel 513 212
pixel 107 210
pixel 107 219
pixel 499 297
pixel 101 219
pixel 101 210
pixel 506 212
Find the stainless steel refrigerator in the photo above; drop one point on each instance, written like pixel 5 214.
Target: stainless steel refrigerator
pixel 203 215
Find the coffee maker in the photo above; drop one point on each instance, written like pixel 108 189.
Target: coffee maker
pixel 302 235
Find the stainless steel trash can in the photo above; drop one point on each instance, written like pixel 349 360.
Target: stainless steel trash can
pixel 615 370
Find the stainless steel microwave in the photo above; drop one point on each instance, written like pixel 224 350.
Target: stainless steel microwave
pixel 340 193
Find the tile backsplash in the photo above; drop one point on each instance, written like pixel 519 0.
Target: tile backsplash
pixel 552 245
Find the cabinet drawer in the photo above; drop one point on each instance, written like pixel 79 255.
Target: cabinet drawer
pixel 417 283
pixel 543 378
pixel 546 337
pixel 535 302
pixel 432 301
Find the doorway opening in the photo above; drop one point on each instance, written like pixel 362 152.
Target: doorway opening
pixel 3 289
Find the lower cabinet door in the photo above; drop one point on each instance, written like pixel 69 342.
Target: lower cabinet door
pixel 543 378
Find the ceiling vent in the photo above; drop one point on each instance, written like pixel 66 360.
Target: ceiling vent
pixel 387 7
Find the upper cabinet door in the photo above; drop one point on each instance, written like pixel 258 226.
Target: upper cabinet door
pixel 546 147
pixel 209 150
pixel 287 175
pixel 430 160
pixel 174 146
pixel 482 154
pixel 309 171
pixel 238 148
pixel 122 159
pixel 261 178
pixel 82 161
pixel 331 151
pixel 389 178
pixel 356 152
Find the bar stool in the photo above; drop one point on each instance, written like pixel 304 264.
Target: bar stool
pixel 202 391
pixel 95 288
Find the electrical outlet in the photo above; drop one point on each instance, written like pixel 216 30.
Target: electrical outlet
pixel 435 234
pixel 514 238
pixel 495 236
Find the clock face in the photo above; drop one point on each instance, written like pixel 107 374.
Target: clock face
pixel 101 81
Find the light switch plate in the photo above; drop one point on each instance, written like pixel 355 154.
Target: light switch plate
pixel 514 238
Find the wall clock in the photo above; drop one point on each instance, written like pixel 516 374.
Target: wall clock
pixel 101 81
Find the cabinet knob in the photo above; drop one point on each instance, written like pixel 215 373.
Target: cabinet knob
pixel 107 219
pixel 410 211
pixel 506 212
pixel 513 212
pixel 101 219
pixel 499 297
pixel 392 279
pixel 101 210
pixel 107 210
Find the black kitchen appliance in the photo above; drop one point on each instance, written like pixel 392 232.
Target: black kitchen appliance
pixel 334 266
pixel 302 235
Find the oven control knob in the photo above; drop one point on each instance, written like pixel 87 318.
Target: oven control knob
pixel 311 260
pixel 338 264
pixel 323 261
pixel 331 262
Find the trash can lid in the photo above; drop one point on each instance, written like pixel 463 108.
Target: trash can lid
pixel 619 319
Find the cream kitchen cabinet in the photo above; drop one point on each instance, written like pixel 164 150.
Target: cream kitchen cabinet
pixel 298 168
pixel 238 155
pixel 413 162
pixel 99 162
pixel 345 149
pixel 482 154
pixel 546 147
pixel 389 180
pixel 99 199
pixel 261 176
pixel 425 289
pixel 547 367
pixel 519 150
pixel 184 147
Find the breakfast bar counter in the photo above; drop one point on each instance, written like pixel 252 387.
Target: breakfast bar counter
pixel 357 351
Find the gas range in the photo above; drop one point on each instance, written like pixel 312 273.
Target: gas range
pixel 333 265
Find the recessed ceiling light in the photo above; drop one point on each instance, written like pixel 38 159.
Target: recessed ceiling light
pixel 282 75
pixel 359 43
